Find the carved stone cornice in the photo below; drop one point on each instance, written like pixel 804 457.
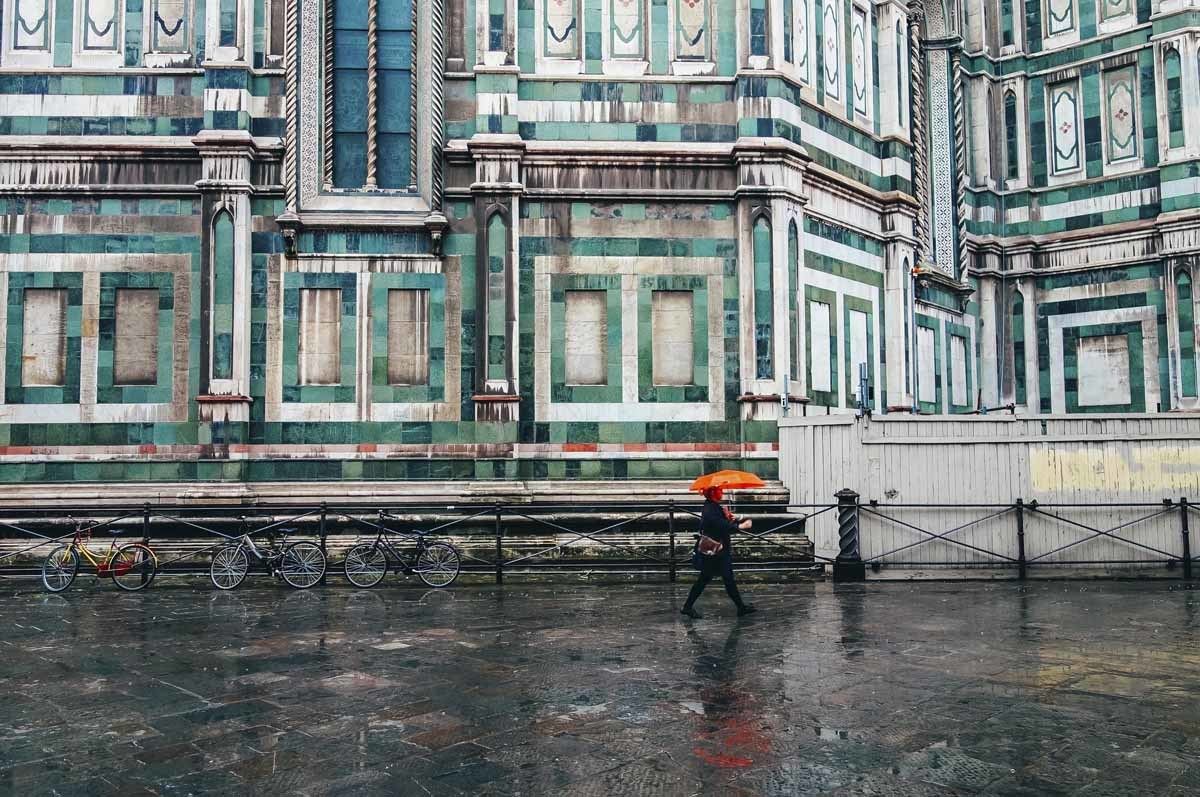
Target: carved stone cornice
pixel 225 156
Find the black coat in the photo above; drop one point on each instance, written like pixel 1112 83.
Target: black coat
pixel 713 523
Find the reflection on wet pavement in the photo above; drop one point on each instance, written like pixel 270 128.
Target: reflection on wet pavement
pixel 1083 688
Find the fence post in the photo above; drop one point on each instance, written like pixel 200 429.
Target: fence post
pixel 321 531
pixel 671 532
pixel 1021 568
pixel 1187 542
pixel 499 549
pixel 145 536
pixel 849 564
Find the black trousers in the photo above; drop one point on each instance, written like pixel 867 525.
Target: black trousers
pixel 723 567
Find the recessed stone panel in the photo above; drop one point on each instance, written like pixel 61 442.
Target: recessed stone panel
pixel 672 326
pixel 858 347
pixel 818 316
pixel 43 350
pixel 926 365
pixel 958 371
pixel 408 336
pixel 320 336
pixel 586 337
pixel 135 340
pixel 1103 366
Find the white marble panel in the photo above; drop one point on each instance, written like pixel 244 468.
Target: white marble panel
pixel 958 371
pixel 858 346
pixel 135 341
pixel 1103 371
pixel 586 320
pixel 672 326
pixel 408 336
pixel 44 347
pixel 926 365
pixel 818 319
pixel 320 336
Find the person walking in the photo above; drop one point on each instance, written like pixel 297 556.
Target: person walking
pixel 718 523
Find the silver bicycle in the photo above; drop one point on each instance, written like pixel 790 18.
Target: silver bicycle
pixel 299 564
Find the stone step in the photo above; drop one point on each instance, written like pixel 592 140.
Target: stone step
pixel 422 493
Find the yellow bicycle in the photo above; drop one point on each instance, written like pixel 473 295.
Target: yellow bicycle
pixel 131 566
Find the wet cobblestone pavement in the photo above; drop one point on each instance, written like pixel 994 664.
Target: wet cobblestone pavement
pixel 571 689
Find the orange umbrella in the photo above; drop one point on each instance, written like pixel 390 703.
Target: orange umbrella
pixel 727 479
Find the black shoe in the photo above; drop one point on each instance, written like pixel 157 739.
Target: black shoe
pixel 746 609
pixel 690 612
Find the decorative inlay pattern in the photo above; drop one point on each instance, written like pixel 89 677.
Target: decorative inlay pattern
pixel 562 29
pixel 627 29
pixel 1060 16
pixel 101 27
pixel 169 28
pixel 833 50
pixel 858 44
pixel 1119 95
pixel 941 157
pixel 32 28
pixel 801 41
pixel 1111 9
pixel 691 30
pixel 960 148
pixel 310 125
pixel 1064 117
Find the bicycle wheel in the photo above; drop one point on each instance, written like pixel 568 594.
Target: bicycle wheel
pixel 365 565
pixel 229 567
pixel 302 565
pixel 133 567
pixel 59 569
pixel 438 564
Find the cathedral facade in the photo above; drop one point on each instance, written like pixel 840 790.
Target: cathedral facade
pixel 264 241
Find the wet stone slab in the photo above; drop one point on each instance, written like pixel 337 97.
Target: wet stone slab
pixel 1072 688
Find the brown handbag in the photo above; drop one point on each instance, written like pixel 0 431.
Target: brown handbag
pixel 707 546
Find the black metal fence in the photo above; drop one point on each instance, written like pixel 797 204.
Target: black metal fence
pixel 495 539
pixel 1017 537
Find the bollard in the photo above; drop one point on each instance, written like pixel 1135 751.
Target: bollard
pixel 1021 564
pixel 671 533
pixel 1187 542
pixel 499 549
pixel 849 564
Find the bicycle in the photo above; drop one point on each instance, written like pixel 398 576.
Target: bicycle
pixel 300 564
pixel 131 566
pixel 435 563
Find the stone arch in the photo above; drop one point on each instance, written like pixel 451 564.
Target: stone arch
pixel 1016 318
pixel 1185 321
pixel 762 244
pixel 223 259
pixel 793 267
pixel 1173 80
pixel 1012 152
